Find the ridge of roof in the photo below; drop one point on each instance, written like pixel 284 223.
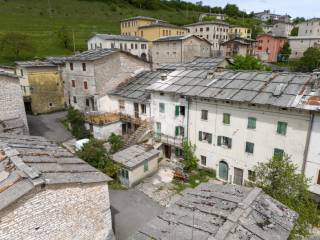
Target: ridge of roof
pixel 119 37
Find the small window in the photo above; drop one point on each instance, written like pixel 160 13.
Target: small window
pixel 145 166
pixel 179 131
pixel 21 72
pixel 124 173
pixel 252 123
pixel 121 105
pixel 249 147
pixel 180 110
pixel 224 141
pixel 84 67
pixel 50 105
pixel 74 99
pixel 226 118
pixel 318 180
pixel 203 136
pixel 143 108
pixel 178 152
pixel 85 85
pixel 87 102
pixel 73 83
pixel 71 66
pixel 282 128
pixel 204 114
pixel 278 152
pixel 161 107
pixel 204 160
pixel 251 175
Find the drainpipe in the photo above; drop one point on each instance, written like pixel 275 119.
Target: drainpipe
pixel 188 115
pixel 306 149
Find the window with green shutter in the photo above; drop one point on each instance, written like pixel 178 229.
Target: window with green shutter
pixel 177 112
pixel 145 165
pixel 278 152
pixel 219 140
pixel 200 136
pixel 282 128
pixel 249 147
pixel 252 123
pixel 177 131
pixel 226 118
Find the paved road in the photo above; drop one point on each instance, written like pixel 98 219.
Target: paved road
pixel 49 126
pixel 131 209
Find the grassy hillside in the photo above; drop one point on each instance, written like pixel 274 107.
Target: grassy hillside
pixel 41 19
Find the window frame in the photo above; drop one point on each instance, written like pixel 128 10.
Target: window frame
pixel 162 108
pixel 203 160
pixel 282 128
pixel 206 114
pixel 226 116
pixel 250 120
pixel 249 147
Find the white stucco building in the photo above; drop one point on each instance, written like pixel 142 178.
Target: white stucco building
pixel 135 45
pixel 215 32
pixel 238 119
pixel 308 36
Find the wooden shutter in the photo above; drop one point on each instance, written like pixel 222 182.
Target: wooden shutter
pixel 200 136
pixel 177 110
pixel 177 131
pixel 210 138
pixel 219 140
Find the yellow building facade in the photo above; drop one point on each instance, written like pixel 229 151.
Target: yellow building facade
pixel 237 31
pixel 131 26
pixel 150 28
pixel 44 83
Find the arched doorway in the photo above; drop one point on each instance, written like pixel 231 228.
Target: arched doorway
pixel 144 56
pixel 223 170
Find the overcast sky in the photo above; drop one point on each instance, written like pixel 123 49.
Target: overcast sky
pixel 295 8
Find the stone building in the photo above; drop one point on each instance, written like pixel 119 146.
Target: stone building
pixel 224 212
pixel 136 162
pixel 215 32
pixel 269 46
pixel 12 112
pixel 49 194
pixel 42 86
pixel 135 45
pixel 266 15
pixel 239 46
pixel 179 49
pixel 93 73
pixel 282 29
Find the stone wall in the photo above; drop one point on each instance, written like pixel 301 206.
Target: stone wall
pixel 62 212
pixel 12 112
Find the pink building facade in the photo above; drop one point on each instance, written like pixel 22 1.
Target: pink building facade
pixel 269 46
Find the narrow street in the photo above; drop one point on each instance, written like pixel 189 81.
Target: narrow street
pixel 49 126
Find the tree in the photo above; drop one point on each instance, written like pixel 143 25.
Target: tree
pixel 294 31
pixel 190 161
pixel 64 38
pixel 232 10
pixel 116 142
pixel 76 120
pixel 16 45
pixel 285 52
pixel 309 61
pixel 298 20
pixel 247 63
pixel 94 153
pixel 280 178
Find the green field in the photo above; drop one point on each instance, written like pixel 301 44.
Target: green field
pixel 41 19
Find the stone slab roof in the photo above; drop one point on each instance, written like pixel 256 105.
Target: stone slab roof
pixel 29 161
pixel 6 74
pixel 119 37
pixel 92 54
pixel 135 87
pixel 285 90
pixel 243 41
pixel 222 23
pixel 134 156
pixel 161 24
pixel 180 38
pixel 141 18
pixel 221 212
pixel 35 63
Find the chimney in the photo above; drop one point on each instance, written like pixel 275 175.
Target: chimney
pixel 210 74
pixel 163 77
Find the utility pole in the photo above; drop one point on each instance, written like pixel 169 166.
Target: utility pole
pixel 74 43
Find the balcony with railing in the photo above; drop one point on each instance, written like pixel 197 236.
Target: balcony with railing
pixel 101 118
pixel 174 141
